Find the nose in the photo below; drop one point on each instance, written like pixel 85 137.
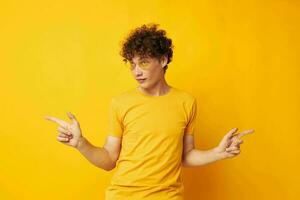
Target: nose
pixel 137 70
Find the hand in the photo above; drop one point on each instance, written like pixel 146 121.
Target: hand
pixel 230 144
pixel 70 134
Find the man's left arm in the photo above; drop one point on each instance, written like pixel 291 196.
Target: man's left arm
pixel 193 157
pixel 229 147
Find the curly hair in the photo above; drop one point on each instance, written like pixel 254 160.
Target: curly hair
pixel 147 41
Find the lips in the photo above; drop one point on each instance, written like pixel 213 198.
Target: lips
pixel 141 80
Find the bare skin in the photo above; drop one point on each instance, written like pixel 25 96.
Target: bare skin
pixel 70 134
pixel 229 147
pixel 155 84
pixel 230 144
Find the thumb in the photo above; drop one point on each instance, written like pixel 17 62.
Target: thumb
pixel 230 133
pixel 227 137
pixel 72 117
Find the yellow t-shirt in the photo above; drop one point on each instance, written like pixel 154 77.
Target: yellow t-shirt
pixel 152 129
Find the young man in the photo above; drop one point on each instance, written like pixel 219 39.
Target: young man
pixel 151 127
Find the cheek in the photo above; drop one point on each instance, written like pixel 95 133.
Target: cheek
pixel 155 74
pixel 152 74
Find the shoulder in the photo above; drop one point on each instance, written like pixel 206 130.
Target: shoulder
pixel 123 97
pixel 187 96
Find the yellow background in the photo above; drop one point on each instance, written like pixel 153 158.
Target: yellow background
pixel 239 58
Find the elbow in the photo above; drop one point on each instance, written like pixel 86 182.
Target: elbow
pixel 184 163
pixel 109 167
pixel 111 161
pixel 185 158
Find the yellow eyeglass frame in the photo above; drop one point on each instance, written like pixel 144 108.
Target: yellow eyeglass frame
pixel 144 65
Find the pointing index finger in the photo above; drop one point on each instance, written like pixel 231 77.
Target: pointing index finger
pixel 58 121
pixel 245 133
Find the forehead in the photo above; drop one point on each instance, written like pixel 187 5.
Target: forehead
pixel 138 58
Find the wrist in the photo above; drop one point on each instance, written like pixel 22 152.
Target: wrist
pixel 218 153
pixel 81 142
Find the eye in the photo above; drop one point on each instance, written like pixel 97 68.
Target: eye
pixel 132 65
pixel 144 64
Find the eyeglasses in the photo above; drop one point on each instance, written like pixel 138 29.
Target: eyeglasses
pixel 144 65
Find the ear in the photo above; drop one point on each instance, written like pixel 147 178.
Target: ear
pixel 164 61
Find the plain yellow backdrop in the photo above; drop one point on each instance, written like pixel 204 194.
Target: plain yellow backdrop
pixel 239 58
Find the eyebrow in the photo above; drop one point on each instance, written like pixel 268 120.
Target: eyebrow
pixel 141 60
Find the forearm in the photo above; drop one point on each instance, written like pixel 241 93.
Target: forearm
pixel 197 157
pixel 98 156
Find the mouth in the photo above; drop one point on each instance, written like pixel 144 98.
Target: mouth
pixel 141 80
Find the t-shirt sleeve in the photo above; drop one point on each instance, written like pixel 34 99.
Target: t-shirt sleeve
pixel 115 125
pixel 191 124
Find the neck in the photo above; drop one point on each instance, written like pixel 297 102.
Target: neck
pixel 158 89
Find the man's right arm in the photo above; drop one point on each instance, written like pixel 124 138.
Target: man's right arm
pixel 103 157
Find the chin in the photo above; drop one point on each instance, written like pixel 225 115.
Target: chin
pixel 143 85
